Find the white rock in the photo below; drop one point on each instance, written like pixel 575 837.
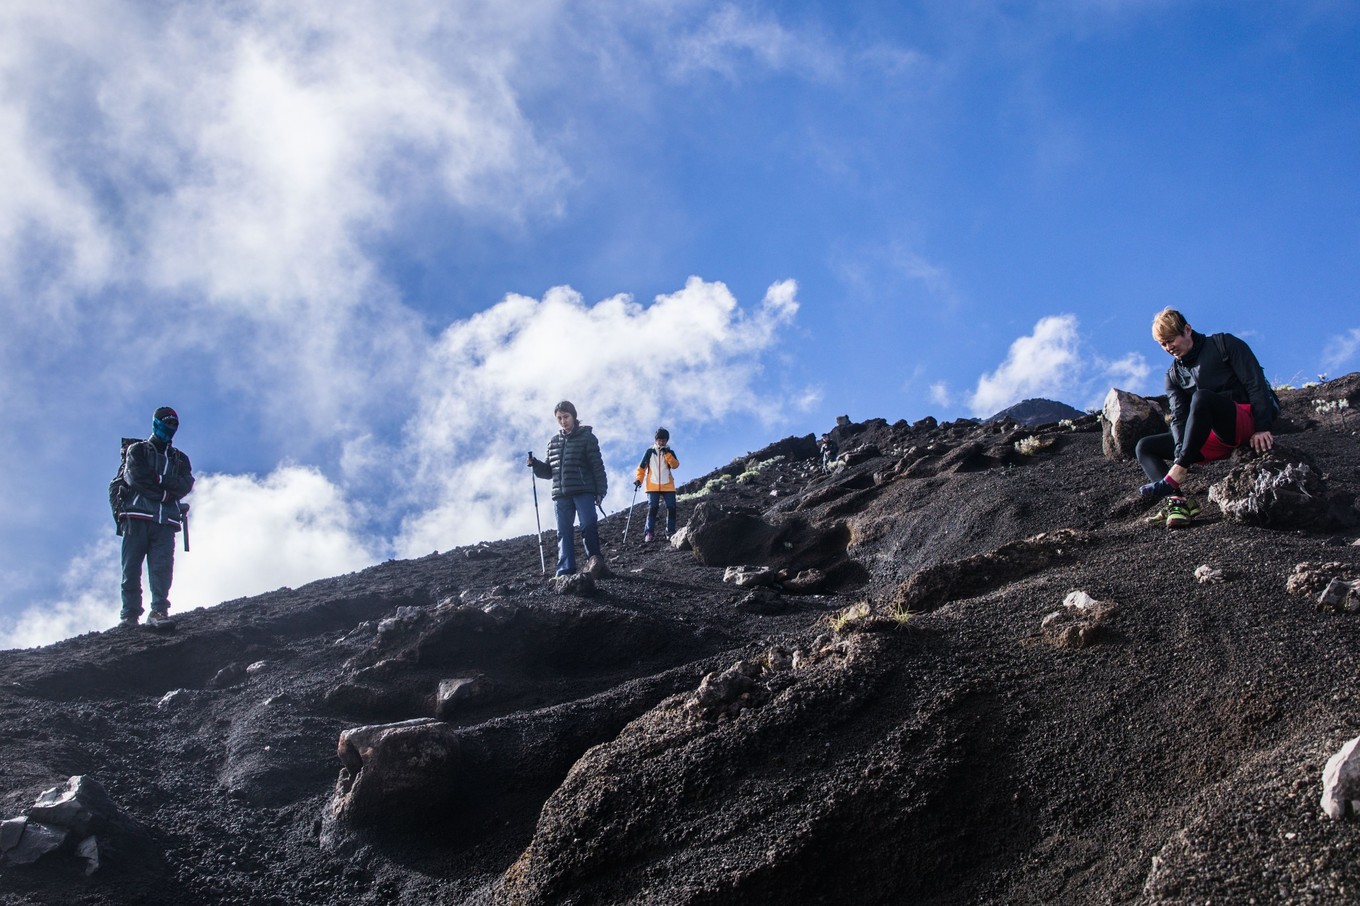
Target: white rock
pixel 1341 781
pixel 1207 575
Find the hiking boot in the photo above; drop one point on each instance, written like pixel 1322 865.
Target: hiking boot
pixel 647 538
pixel 1178 514
pixel 127 623
pixel 1190 504
pixel 160 619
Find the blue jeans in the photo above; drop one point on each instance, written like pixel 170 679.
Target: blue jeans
pixel 653 499
pixel 568 508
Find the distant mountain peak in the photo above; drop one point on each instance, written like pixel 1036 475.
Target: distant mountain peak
pixel 1037 412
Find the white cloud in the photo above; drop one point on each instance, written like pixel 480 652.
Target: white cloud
pixel 492 382
pixel 730 38
pixel 1054 362
pixel 1341 350
pixel 89 602
pixel 237 165
pixel 1042 364
pixel 248 535
pixel 1132 370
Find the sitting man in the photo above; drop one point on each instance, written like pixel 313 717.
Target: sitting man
pixel 1220 400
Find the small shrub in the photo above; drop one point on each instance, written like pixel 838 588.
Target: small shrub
pixel 1033 445
pixel 900 614
pixel 845 619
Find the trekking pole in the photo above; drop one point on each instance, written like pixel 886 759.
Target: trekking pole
pixel 186 532
pixel 542 563
pixel 630 514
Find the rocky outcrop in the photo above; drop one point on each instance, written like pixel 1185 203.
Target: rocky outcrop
pixel 935 585
pixel 1282 488
pixel 77 821
pixel 729 537
pixel 666 798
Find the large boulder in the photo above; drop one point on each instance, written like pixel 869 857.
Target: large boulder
pixel 729 537
pixel 392 772
pixel 1127 418
pixel 1281 488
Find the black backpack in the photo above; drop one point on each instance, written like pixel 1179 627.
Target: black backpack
pixel 1270 391
pixel 118 487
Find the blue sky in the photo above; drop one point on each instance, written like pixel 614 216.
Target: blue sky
pixel 364 247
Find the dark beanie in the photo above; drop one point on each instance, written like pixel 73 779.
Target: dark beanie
pixel 165 412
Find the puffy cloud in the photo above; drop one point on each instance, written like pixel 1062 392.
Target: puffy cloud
pixel 940 394
pixel 1042 364
pixel 237 166
pixel 247 535
pixel 1341 350
pixel 492 381
pixel 1054 362
pixel 89 601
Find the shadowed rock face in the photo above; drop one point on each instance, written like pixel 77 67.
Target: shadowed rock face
pixel 970 671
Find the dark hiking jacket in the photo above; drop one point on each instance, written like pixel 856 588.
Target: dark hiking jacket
pixel 1224 364
pixel 574 464
pixel 157 476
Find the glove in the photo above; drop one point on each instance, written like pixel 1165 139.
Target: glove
pixel 636 485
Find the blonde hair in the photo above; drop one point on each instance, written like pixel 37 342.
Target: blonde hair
pixel 1168 325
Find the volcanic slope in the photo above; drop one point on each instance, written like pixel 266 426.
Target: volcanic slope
pixel 905 729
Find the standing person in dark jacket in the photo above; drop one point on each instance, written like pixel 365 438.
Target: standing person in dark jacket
pixel 1220 400
pixel 578 484
pixel 157 477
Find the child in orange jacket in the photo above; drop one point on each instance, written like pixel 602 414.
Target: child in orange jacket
pixel 655 470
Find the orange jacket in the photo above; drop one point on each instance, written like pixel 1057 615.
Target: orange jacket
pixel 655 471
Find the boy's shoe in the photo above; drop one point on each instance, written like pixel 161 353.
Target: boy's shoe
pixel 1179 512
pixel 127 623
pixel 160 619
pixel 647 538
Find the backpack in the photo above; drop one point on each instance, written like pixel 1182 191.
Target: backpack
pixel 1222 346
pixel 118 487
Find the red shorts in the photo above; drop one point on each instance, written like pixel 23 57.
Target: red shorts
pixel 1217 448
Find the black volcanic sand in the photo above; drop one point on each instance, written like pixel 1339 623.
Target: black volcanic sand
pixel 953 757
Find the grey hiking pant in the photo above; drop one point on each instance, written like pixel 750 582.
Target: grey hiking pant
pixel 154 542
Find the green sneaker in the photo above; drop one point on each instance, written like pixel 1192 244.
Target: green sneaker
pixel 1179 512
pixel 1190 505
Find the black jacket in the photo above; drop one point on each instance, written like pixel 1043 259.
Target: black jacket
pixel 1224 364
pixel 574 464
pixel 158 475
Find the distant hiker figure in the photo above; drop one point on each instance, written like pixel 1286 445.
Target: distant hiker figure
pixel 655 472
pixel 155 477
pixel 829 452
pixel 578 484
pixel 1220 400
